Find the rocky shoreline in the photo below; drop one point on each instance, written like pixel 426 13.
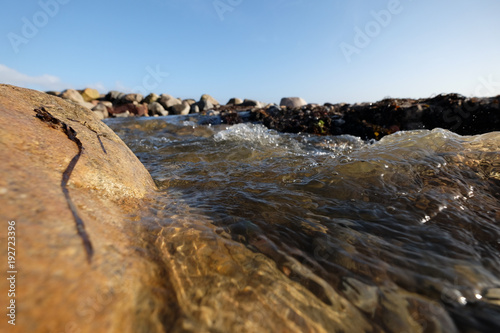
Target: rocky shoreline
pixel 462 115
pixel 99 249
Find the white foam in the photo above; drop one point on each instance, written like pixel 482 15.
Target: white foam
pixel 257 134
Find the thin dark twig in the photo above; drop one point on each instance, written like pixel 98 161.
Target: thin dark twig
pixel 46 117
pixel 102 146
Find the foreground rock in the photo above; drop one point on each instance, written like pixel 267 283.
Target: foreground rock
pixel 61 284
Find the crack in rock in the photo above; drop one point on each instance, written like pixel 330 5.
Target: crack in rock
pixel 55 123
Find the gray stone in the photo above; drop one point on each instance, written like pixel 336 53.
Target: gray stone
pixel 273 109
pixel 182 109
pixel 156 108
pixel 205 105
pixel 73 96
pixel 151 98
pixel 106 103
pixel 114 95
pixel 168 101
pixel 235 101
pixel 190 101
pixel 209 98
pixel 101 107
pixel 194 108
pixel 253 103
pixel 292 102
pixel 130 98
pixel 123 114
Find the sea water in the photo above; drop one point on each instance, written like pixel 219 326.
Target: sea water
pixel 402 234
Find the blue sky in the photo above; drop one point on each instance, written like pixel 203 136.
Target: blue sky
pixel 321 50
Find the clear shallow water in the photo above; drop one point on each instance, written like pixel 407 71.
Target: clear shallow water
pixel 405 231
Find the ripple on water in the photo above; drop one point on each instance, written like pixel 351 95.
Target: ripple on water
pixel 406 230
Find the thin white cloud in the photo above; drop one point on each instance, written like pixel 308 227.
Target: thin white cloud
pixel 98 86
pixel 43 82
pixel 123 88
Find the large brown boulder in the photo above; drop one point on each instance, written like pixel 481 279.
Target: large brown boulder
pixel 76 268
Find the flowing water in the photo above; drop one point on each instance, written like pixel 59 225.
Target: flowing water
pixel 285 232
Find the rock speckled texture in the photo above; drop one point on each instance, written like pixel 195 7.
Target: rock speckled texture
pixel 58 289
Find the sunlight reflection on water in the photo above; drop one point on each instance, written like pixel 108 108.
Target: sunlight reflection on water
pixel 405 230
